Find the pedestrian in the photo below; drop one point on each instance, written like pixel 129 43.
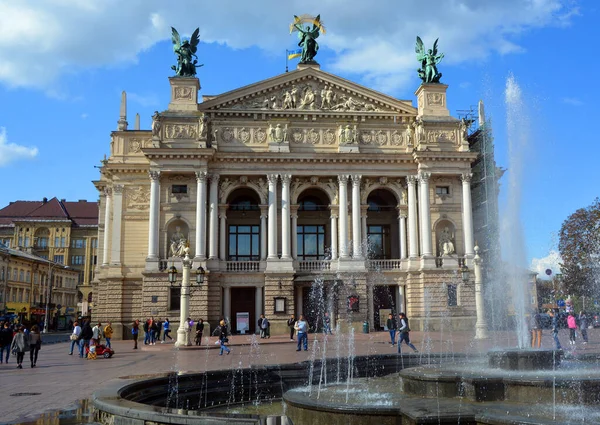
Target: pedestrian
pixel 35 343
pixel 146 328
pixel 555 329
pixel 404 330
pixel 572 324
pixel 199 331
pixel 263 329
pixel 19 345
pixel 153 332
pixel 108 333
pixel 84 337
pixel 135 331
pixel 166 330
pixel 74 337
pixel 536 329
pixel 291 322
pixel 392 325
pixel 302 330
pixel 158 329
pixel 97 334
pixel 583 325
pixel 327 324
pixel 6 337
pixel 187 328
pixel 223 339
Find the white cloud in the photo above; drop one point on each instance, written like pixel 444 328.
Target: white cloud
pixel 572 101
pixel 551 261
pixel 10 152
pixel 41 40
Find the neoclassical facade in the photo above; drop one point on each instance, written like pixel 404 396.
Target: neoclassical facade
pixel 303 193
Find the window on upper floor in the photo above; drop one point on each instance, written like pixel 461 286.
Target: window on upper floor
pixel 28 277
pixel 379 243
pixel 442 190
pixel 77 260
pixel 94 243
pixel 27 241
pixel 179 189
pixel 21 276
pixel 78 243
pixel 20 241
pixel 59 259
pixel 244 243
pixel 15 274
pixel 42 242
pixel 311 242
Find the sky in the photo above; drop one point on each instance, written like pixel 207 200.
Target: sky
pixel 64 63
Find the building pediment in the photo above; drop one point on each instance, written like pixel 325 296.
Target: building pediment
pixel 308 90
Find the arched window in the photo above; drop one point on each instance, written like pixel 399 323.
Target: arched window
pixel 311 203
pixel 243 203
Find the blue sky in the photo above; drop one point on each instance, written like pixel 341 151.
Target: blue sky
pixel 64 63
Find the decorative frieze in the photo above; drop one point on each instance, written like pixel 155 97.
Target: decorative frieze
pixel 137 198
pixel 135 145
pixel 181 131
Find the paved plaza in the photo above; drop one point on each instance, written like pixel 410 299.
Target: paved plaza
pixel 59 379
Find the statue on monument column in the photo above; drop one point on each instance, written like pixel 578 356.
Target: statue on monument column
pixel 429 60
pixel 178 243
pixel 446 244
pixel 187 61
pixel 307 37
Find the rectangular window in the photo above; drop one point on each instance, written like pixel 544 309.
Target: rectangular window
pixel 244 243
pixel 15 273
pixel 56 241
pixel 452 296
pixel 94 260
pixel 442 190
pixel 78 243
pixel 26 296
pixel 94 243
pixel 379 244
pixel 35 278
pixel 179 188
pixel 311 242
pixel 76 260
pixel 20 296
pixel 42 243
pixel 20 241
pixel 59 259
pixel 45 257
pixel 28 277
pixel 26 241
pixel 21 276
pixel 63 242
pixel 175 298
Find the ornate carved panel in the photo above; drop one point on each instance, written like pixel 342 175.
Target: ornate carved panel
pixel 135 145
pixel 181 131
pixel 137 198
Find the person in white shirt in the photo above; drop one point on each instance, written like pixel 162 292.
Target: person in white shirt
pixel 75 336
pixel 97 334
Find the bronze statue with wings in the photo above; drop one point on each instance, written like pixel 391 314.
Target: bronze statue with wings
pixel 187 61
pixel 429 60
pixel 307 38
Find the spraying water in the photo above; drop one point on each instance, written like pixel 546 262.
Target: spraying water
pixel 517 132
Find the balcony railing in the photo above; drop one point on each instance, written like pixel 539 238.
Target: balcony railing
pixel 384 264
pixel 313 265
pixel 242 266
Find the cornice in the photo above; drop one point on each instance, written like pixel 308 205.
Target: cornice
pixel 178 153
pixel 437 156
pixel 297 157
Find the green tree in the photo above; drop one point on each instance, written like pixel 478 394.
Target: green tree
pixel 579 249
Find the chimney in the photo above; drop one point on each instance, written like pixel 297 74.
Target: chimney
pixel 45 200
pixel 122 123
pixel 63 200
pixel 82 200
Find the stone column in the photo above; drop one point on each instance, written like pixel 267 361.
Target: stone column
pixel 425 213
pixel 272 249
pixel 343 221
pixel 356 225
pixel 294 211
pixel 334 236
pixel 402 227
pixel 363 222
pixel 183 337
pixel 213 224
pixel 413 245
pixel 285 216
pixel 263 234
pixel 467 211
pixel 400 299
pixel 227 303
pixel 107 207
pixel 258 303
pixel 299 306
pixel 201 215
pixel 154 215
pixel 223 233
pixel 115 257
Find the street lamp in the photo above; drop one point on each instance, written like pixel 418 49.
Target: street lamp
pixel 465 273
pixel 49 289
pixel 182 334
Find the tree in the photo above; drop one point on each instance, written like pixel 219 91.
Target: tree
pixel 580 250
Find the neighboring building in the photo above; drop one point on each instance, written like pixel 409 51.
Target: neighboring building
pixel 59 231
pixel 253 180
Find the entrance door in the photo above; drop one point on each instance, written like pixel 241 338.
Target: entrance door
pixel 384 297
pixel 242 301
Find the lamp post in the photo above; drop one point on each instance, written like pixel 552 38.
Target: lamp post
pixel 481 331
pixel 49 294
pixel 182 334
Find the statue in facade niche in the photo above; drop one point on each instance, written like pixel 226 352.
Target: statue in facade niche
pixel 204 127
pixel 178 243
pixel 429 59
pixel 446 244
pixel 346 134
pixel 187 61
pixel 278 134
pixel 156 124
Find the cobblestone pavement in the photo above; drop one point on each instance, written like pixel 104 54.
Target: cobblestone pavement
pixel 60 379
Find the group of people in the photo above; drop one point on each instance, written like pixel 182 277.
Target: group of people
pixel 573 324
pixel 17 340
pixel 399 326
pixel 84 336
pixel 154 330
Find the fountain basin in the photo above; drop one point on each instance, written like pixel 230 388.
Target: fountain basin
pixel 525 359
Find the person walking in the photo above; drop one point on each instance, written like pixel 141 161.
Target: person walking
pixel 84 337
pixel 35 343
pixel 153 332
pixel 158 329
pixel 291 322
pixel 108 333
pixel 263 329
pixel 404 330
pixel 146 328
pixel 199 331
pixel 583 325
pixel 74 336
pixel 327 324
pixel 555 329
pixel 19 345
pixel 97 334
pixel 392 325
pixel 223 340
pixel 6 338
pixel 302 329
pixel 572 325
pixel 135 332
pixel 536 330
pixel 166 330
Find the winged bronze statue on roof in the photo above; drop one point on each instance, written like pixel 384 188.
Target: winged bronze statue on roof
pixel 187 61
pixel 429 60
pixel 307 37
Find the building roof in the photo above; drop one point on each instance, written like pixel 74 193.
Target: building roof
pixel 80 213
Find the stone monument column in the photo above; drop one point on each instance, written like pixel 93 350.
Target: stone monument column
pixel 343 221
pixel 356 225
pixel 263 233
pixel 201 216
pixel 272 248
pixel 107 207
pixel 425 213
pixel 402 234
pixel 214 211
pixel 154 214
pixel 115 257
pixel 285 216
pixel 413 244
pixel 467 211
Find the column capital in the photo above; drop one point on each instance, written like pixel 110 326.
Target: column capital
pixel 263 209
pixel 118 189
pixel 107 191
pixel 402 215
pixel 356 179
pixel 411 180
pixel 363 209
pixel 343 178
pixel 272 178
pixel 424 176
pixel 286 179
pixel 154 175
pixel 214 178
pixel 466 177
pixel 201 176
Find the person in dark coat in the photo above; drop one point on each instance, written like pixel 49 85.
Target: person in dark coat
pixel 199 331
pixel 404 330
pixel 583 326
pixel 19 345
pixel 84 338
pixel 291 322
pixel 223 340
pixel 6 337
pixel 135 332
pixel 392 326
pixel 35 343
